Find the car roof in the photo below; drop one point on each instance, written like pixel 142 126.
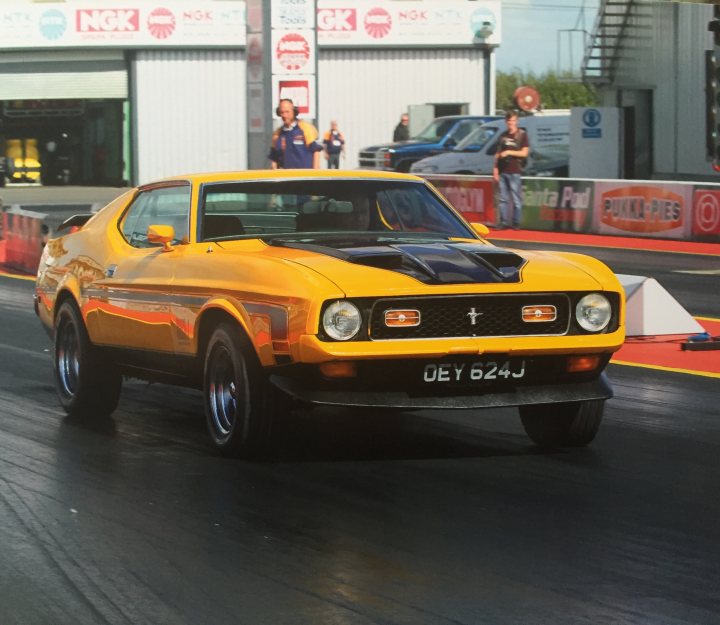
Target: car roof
pixel 284 174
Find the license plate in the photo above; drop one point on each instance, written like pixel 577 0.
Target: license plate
pixel 469 372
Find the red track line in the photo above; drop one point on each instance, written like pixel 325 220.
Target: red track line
pixel 598 240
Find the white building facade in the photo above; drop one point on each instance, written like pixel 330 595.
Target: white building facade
pixel 154 89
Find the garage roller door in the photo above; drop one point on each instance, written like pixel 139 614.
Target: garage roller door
pixel 63 75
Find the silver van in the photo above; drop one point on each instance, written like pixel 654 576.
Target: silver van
pixel 548 134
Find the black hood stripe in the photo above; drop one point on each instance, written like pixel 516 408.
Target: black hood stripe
pixel 443 262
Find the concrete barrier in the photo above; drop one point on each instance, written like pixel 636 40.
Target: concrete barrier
pixel 637 208
pixel 22 232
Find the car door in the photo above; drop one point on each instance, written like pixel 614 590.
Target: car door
pixel 134 300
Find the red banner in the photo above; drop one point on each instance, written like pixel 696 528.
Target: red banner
pixel 706 213
pixel 642 209
pixel 472 196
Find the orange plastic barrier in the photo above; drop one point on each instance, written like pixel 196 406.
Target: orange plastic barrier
pixel 23 239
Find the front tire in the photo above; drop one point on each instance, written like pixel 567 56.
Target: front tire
pixel 238 406
pixel 86 386
pixel 573 424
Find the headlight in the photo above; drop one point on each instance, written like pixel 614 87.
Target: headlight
pixel 593 312
pixel 341 320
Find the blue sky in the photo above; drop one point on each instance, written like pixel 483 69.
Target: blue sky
pixel 531 29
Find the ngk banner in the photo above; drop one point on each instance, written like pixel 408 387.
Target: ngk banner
pixel 557 205
pixel 293 52
pixel 472 196
pixel 706 214
pixel 411 22
pixel 123 24
pixel 659 210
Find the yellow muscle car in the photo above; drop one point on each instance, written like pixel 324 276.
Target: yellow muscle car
pixel 342 288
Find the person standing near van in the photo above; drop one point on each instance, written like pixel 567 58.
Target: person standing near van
pixel 512 151
pixel 334 144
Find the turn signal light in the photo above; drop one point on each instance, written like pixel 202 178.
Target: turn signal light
pixel 342 369
pixel 402 318
pixel 576 364
pixel 535 314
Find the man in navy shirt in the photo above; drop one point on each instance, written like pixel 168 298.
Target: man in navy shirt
pixel 334 143
pixel 295 144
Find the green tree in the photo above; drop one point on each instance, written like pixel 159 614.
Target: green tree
pixel 557 91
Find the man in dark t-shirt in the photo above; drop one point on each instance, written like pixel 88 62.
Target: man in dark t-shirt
pixel 512 151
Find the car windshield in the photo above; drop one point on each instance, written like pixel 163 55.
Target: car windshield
pixel 287 207
pixel 477 139
pixel 435 131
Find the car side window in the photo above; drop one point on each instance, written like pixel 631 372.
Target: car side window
pixel 169 206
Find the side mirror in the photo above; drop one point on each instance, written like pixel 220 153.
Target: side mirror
pixel 450 143
pixel 161 234
pixel 480 229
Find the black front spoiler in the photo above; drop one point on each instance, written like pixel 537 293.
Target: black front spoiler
pixel 520 396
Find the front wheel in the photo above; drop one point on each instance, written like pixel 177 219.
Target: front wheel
pixel 238 405
pixel 572 424
pixel 87 386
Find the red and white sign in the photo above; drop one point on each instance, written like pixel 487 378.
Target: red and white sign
pixel 161 23
pixel 421 23
pixel 107 20
pixel 293 52
pixel 197 17
pixel 130 24
pixel 414 16
pixel 378 23
pixel 642 209
pixel 473 197
pixel 706 213
pixel 337 20
pixel 299 89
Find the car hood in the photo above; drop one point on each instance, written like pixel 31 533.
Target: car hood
pixel 381 267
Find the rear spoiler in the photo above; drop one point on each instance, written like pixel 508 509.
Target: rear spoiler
pixel 76 221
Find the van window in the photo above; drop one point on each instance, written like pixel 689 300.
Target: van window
pixel 477 139
pixel 464 128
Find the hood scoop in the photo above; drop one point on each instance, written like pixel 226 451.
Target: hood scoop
pixel 431 263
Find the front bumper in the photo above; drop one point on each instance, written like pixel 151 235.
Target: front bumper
pixel 400 384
